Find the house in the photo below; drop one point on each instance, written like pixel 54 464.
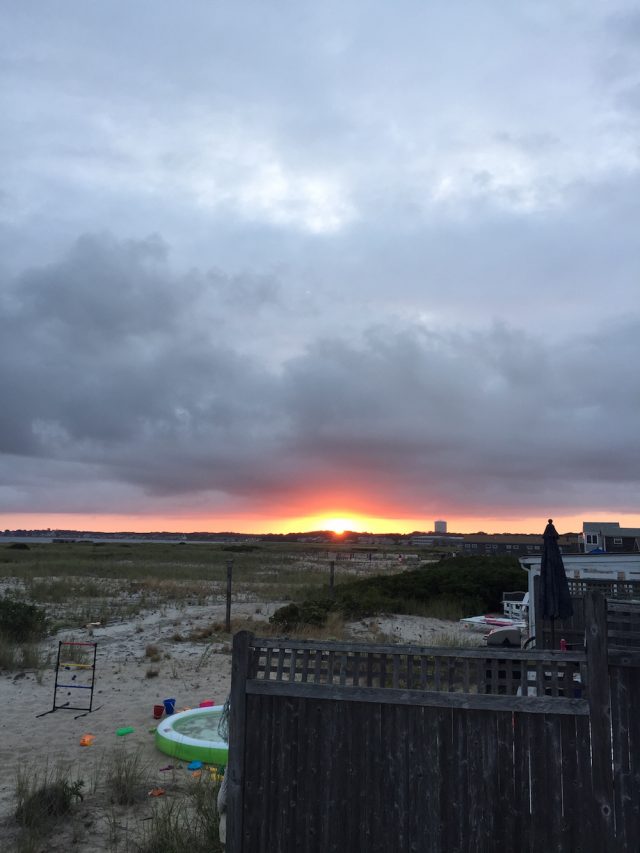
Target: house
pixel 615 569
pixel 609 537
pixel 513 544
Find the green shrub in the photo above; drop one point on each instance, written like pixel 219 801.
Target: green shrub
pixel 454 587
pixel 312 611
pixel 286 617
pixel 22 622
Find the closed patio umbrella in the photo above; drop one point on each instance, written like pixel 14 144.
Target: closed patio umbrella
pixel 555 599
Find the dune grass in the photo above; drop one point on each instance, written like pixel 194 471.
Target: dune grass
pixel 185 825
pixel 52 802
pixel 83 584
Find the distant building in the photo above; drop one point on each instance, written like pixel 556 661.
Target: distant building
pixel 376 539
pixel 609 537
pixel 516 545
pixel 436 539
pixel 440 526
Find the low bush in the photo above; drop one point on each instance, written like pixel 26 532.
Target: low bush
pixel 21 622
pixel 451 589
pixel 312 611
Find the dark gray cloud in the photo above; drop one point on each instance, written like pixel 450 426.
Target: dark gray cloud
pixel 125 373
pixel 399 256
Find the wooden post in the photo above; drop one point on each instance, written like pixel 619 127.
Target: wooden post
pixel 332 572
pixel 227 622
pixel 600 713
pixel 237 737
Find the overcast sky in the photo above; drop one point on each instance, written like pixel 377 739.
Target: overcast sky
pixel 262 261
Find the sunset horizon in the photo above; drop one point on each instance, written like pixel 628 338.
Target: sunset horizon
pixel 304 524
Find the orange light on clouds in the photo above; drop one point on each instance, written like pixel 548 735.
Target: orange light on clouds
pixel 340 524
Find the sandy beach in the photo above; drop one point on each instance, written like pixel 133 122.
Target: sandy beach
pixel 125 693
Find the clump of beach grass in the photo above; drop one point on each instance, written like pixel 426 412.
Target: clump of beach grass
pixel 16 657
pixel 453 640
pixel 153 653
pixel 126 776
pixel 44 795
pixel 186 825
pixel 332 629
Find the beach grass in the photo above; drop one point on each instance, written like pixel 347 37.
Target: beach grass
pixel 185 825
pixel 85 584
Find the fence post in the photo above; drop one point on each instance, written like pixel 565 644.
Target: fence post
pixel 595 606
pixel 237 737
pixel 227 620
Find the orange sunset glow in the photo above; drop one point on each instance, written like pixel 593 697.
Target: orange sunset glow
pixel 335 521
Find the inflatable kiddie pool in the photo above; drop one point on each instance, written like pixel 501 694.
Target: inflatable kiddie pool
pixel 193 736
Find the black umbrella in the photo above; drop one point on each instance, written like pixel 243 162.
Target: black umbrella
pixel 555 599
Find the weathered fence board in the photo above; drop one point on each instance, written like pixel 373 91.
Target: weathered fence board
pixel 623 617
pixel 340 747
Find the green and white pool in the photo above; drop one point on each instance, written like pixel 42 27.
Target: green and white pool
pixel 193 736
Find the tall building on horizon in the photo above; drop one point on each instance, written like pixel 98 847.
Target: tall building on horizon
pixel 440 526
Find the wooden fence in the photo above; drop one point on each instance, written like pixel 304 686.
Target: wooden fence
pixel 623 615
pixel 354 748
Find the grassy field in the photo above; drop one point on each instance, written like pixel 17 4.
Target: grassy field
pixel 172 561
pixel 79 583
pixel 156 612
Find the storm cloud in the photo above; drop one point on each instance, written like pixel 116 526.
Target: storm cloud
pixel 252 255
pixel 140 376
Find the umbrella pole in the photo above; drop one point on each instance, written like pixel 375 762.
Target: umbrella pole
pixel 553 633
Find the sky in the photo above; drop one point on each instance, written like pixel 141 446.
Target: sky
pixel 293 265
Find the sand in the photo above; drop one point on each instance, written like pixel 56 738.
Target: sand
pixel 190 672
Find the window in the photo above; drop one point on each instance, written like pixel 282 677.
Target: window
pixel 592 538
pixel 617 540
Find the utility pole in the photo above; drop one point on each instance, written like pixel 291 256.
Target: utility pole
pixel 227 623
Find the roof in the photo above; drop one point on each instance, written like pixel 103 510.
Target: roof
pixel 609 528
pixel 518 538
